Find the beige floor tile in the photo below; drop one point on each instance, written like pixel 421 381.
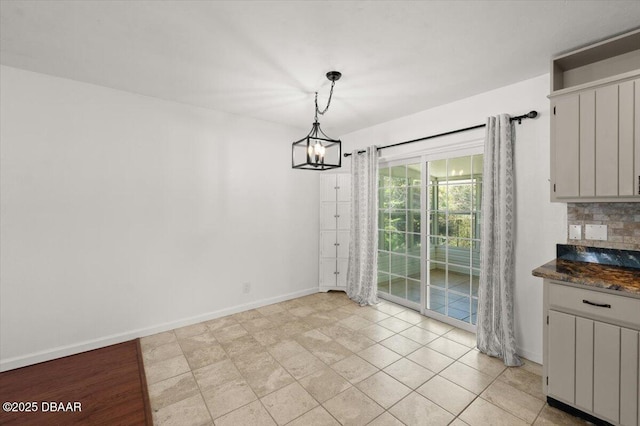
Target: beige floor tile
pixel 379 355
pixel 383 389
pixel 395 324
pixel 419 335
pixel 348 338
pixel 302 311
pixel 463 337
pixel 415 409
pixel 174 389
pixel 354 369
pixel 524 380
pixel 253 414
pixel 240 346
pixel 331 352
pixel 376 332
pixel 532 367
pixel 410 316
pixel 191 411
pixel 467 377
pixel 353 408
pixel 247 316
pixel 482 413
pixel 227 397
pixel 316 417
pixel 285 349
pixel 458 422
pixel 510 399
pixel 430 359
pixel 318 320
pixel 354 322
pixel 281 318
pixel 324 384
pixel 251 362
pixel 258 324
pixel 552 416
pixel 293 328
pixel 351 308
pixel 389 308
pixel 288 403
pixel 268 379
pixel 372 315
pixel 491 366
pixel 161 352
pixel 191 330
pixel 200 357
pixel 448 395
pixel 337 314
pixel 229 333
pixel 409 373
pixel 401 345
pixel 449 347
pixel 302 364
pixel 222 322
pixel 193 342
pixel 151 342
pixel 290 304
pixel 386 419
pixel 270 309
pixel 165 369
pixel 268 337
pixel 435 326
pixel 216 374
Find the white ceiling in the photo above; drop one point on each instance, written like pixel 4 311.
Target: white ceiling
pixel 265 59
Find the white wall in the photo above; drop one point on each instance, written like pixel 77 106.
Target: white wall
pixel 540 224
pixel 124 215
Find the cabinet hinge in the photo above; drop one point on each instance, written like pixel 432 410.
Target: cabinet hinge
pixel 547 319
pixel 554 110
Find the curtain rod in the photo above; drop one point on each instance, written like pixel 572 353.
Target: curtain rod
pixel 519 118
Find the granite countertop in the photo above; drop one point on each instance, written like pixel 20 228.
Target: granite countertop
pixel 601 268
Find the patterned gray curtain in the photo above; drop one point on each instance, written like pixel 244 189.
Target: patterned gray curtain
pixel 362 273
pixel 495 331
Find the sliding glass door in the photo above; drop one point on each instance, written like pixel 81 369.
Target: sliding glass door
pixel 429 234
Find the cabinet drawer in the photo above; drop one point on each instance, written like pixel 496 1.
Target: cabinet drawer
pixel 619 310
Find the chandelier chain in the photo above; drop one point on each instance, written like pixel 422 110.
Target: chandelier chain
pixel 328 102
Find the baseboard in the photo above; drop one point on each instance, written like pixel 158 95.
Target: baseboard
pixel 531 356
pixel 88 345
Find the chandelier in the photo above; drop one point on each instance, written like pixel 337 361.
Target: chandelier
pixel 317 151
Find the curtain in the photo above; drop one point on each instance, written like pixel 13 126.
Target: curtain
pixel 495 332
pixel 362 273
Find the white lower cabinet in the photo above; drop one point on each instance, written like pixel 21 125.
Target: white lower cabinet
pixel 591 361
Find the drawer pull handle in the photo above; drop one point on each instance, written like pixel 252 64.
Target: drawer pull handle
pixel 600 305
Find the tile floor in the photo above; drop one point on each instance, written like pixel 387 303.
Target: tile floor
pixel 322 360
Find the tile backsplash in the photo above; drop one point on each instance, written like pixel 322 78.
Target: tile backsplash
pixel 622 220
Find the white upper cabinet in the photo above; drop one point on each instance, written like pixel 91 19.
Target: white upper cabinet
pixel 595 122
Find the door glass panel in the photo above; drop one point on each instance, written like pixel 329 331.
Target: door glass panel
pixel 454 187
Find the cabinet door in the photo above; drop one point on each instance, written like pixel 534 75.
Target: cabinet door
pixel 327 187
pixel 566 149
pixel 327 272
pixel 584 363
pixel 606 371
pixel 561 371
pixel 328 244
pixel 344 215
pixel 626 172
pixel 587 144
pixel 342 242
pixel 628 377
pixel 343 187
pixel 607 141
pixel 328 215
pixel 343 264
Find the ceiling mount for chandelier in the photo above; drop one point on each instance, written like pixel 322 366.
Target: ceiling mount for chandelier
pixel 317 151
